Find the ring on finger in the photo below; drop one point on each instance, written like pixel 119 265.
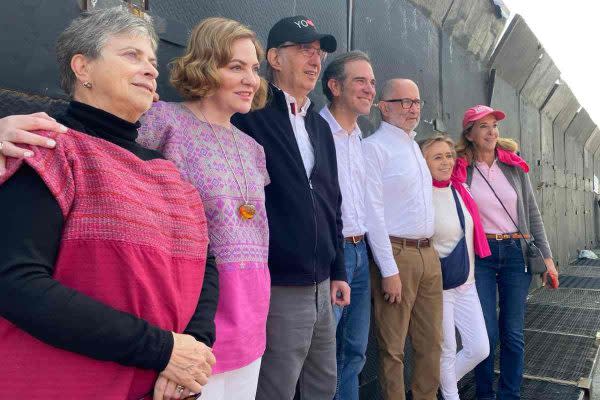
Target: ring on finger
pixel 1 146
pixel 179 389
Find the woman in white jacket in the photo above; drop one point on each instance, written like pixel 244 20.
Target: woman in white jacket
pixel 458 237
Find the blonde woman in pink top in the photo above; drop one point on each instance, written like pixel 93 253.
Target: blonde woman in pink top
pixel 218 77
pixel 490 162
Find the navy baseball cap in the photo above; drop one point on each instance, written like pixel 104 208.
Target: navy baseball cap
pixel 299 29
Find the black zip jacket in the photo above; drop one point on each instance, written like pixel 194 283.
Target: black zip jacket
pixel 305 218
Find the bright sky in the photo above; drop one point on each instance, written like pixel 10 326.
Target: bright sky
pixel 570 33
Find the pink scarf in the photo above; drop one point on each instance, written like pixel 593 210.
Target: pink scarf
pixel 510 158
pixel 459 177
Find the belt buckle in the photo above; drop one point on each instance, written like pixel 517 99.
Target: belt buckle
pixel 354 241
pixel 499 236
pixel 418 243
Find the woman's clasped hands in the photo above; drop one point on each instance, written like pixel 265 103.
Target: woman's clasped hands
pixel 188 369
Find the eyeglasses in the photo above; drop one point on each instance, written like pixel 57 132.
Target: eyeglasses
pixel 407 103
pixel 307 50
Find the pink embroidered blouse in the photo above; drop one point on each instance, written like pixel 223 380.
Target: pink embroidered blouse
pixel 239 245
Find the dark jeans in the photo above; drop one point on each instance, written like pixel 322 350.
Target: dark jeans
pixel 502 273
pixel 353 322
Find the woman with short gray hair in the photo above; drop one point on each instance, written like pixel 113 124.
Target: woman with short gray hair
pixel 103 258
pixel 91 32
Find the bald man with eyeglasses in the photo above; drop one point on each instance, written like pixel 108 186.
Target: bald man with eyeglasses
pixel 406 277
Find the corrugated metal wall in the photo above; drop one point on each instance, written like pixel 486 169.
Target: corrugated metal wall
pixel 447 46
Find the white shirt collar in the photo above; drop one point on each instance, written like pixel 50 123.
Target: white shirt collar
pixel 292 109
pixel 396 130
pixel 336 128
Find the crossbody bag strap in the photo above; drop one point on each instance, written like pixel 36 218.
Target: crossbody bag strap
pixel 459 211
pixel 502 204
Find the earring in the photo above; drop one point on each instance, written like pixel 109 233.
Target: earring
pixel 87 85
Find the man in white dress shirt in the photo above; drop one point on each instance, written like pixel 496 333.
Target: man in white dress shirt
pixel 407 282
pixel 349 84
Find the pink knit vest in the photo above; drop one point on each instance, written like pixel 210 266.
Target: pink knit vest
pixel 134 238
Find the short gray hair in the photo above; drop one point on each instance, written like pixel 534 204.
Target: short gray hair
pixel 337 69
pixel 88 34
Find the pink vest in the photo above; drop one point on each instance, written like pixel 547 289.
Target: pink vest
pixel 134 238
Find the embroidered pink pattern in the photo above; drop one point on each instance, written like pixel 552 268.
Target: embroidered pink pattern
pixel 240 246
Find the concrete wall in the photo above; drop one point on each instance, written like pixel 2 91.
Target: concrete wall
pixel 460 52
pixel 553 131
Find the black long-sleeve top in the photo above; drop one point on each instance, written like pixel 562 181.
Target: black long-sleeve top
pixel 31 299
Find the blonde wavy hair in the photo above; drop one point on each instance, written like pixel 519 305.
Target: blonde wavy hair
pixel 437 138
pixel 195 74
pixel 465 148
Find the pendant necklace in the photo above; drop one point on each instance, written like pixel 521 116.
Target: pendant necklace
pixel 247 210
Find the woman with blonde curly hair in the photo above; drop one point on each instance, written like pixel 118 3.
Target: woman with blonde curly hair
pixel 218 76
pixel 500 185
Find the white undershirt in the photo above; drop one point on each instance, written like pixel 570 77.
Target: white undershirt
pixel 351 175
pixel 297 120
pixel 447 227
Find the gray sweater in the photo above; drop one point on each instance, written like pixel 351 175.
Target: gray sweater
pixel 530 219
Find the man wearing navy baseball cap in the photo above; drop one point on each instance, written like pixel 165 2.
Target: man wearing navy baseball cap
pixel 306 258
pixel 299 29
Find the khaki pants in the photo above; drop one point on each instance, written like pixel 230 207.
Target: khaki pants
pixel 418 314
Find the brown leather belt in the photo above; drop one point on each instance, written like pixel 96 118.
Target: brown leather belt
pixel 355 239
pixel 506 236
pixel 418 243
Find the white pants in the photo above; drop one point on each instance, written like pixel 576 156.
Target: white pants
pixel 239 384
pixel 461 310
